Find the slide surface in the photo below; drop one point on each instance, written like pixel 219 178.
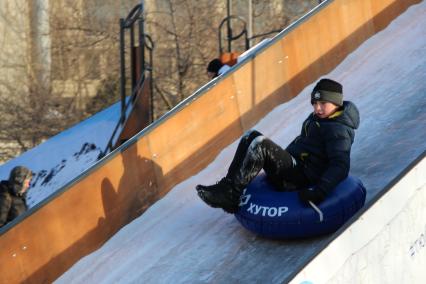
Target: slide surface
pixel 181 240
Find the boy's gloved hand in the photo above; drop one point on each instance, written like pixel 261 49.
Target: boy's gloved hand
pixel 311 194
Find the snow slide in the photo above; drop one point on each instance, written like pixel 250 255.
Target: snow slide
pixel 181 240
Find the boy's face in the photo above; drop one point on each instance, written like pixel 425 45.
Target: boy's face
pixel 324 109
pixel 26 185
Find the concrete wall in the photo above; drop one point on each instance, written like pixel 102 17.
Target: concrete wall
pixel 387 244
pixel 15 57
pixel 41 245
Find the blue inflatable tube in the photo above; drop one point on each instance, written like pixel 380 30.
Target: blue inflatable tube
pixel 273 214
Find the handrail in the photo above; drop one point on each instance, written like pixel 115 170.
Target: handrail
pixel 111 142
pixel 150 67
pixel 145 41
pixel 230 38
pixel 133 16
pixel 265 34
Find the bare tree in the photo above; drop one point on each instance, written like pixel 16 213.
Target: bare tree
pixel 57 55
pixel 59 62
pixel 185 33
pixel 23 88
pixel 185 39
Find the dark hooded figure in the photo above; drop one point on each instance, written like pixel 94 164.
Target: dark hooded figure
pixel 314 163
pixel 213 68
pixel 13 193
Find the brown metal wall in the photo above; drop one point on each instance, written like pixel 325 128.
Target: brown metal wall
pixel 46 243
pixel 139 118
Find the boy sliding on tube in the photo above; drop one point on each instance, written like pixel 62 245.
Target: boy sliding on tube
pixel 319 156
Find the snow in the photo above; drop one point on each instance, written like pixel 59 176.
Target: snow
pixel 63 157
pixel 179 239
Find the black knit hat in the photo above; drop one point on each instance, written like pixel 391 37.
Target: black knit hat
pixel 214 66
pixel 329 91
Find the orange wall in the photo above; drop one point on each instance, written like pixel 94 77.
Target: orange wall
pixel 46 243
pixel 139 118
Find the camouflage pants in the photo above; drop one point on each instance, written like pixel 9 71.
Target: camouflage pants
pixel 256 152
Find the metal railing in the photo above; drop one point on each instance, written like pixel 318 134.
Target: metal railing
pixel 230 37
pixel 137 69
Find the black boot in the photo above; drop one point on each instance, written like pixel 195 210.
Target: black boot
pixel 223 194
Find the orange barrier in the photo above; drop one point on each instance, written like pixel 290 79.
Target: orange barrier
pixel 88 211
pixel 139 118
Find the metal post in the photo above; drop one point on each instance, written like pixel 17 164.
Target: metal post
pixel 142 35
pixel 229 12
pixel 151 84
pixel 149 45
pixel 142 45
pixel 122 72
pixel 250 22
pixel 132 58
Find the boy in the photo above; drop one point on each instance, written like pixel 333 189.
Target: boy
pixel 216 68
pixel 314 163
pixel 12 194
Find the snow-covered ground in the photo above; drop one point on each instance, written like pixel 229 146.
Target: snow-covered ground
pixel 66 155
pixel 181 240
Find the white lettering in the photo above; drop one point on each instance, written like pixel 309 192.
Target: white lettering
pixel 272 212
pixel 282 210
pixel 251 208
pixel 257 209
pixel 265 210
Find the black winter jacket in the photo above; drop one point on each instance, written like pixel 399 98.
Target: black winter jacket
pixel 324 145
pixel 11 204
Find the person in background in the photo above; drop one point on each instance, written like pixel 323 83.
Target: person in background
pixel 216 68
pixel 314 163
pixel 13 194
